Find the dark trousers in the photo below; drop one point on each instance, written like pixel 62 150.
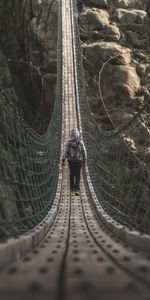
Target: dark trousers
pixel 75 170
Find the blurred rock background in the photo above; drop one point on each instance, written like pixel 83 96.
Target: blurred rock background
pixel 28 49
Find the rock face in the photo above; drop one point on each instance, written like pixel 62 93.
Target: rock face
pixel 29 43
pixel 131 4
pixel 42 51
pixel 115 37
pixel 93 19
pixel 5 75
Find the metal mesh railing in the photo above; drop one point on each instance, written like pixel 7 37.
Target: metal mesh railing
pixel 28 162
pixel 119 173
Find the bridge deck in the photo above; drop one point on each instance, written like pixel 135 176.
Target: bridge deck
pixel 79 258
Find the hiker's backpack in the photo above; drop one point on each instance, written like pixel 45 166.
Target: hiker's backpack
pixel 75 152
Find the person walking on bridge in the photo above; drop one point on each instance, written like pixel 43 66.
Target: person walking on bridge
pixel 76 155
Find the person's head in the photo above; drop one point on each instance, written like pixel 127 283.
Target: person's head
pixel 74 133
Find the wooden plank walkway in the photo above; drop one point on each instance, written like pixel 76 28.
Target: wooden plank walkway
pixel 79 258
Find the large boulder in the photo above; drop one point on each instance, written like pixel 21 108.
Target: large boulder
pixel 136 39
pixel 127 17
pixel 132 4
pixel 111 33
pixel 93 19
pixel 95 24
pixel 103 51
pixel 123 83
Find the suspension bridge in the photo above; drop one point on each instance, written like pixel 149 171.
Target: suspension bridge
pixel 58 246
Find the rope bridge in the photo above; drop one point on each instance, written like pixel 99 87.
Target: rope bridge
pixel 29 162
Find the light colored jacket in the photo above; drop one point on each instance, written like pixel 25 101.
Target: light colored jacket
pixel 66 152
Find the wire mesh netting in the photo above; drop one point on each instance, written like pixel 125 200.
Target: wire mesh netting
pixel 119 159
pixel 28 162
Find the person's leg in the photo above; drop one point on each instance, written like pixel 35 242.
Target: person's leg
pixel 77 176
pixel 72 174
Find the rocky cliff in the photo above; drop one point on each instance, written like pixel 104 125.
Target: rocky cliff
pixel 115 37
pixel 116 48
pixel 28 42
